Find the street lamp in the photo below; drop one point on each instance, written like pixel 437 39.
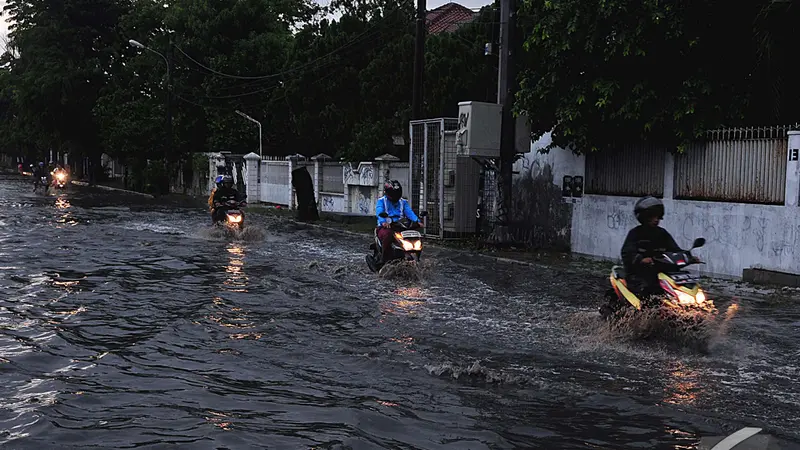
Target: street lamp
pixel 260 152
pixel 137 44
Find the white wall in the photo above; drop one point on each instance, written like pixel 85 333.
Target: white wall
pixel 561 162
pixel 738 235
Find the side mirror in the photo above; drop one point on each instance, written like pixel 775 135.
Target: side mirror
pixel 699 242
pixel 423 214
pixel 383 215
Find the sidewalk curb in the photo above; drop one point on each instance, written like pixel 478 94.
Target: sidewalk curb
pixel 109 188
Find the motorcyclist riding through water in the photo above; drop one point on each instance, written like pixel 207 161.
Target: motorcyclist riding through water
pixel 217 184
pixel 39 171
pixel 646 239
pixel 393 204
pixel 224 193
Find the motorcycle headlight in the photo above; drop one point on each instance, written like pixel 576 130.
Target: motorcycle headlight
pixel 700 297
pixel 235 219
pixel 685 299
pixel 408 246
pixel 418 245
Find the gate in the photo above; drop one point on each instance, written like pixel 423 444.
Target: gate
pixel 426 171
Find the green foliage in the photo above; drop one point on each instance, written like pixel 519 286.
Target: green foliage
pixel 599 71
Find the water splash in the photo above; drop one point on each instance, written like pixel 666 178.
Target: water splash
pixel 406 270
pixel 250 233
pixel 697 331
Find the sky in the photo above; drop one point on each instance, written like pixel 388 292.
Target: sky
pixel 431 4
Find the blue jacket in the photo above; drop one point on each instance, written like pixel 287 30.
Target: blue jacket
pixel 396 211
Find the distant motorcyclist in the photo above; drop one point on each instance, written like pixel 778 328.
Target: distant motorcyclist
pixel 393 204
pixel 642 243
pixel 39 171
pixel 226 192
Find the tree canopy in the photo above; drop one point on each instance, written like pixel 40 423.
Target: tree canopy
pixel 590 71
pixel 599 71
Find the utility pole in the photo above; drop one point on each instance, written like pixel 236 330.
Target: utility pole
pixel 507 79
pixel 170 51
pixel 419 61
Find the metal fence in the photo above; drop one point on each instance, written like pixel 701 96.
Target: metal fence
pixel 744 165
pixel 630 169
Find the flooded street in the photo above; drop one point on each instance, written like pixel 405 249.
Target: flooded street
pixel 127 323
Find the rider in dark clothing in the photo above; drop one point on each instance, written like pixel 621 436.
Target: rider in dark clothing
pixel 644 242
pixel 223 194
pixel 39 171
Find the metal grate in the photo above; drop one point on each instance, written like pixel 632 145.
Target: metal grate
pixel 632 170
pixel 744 165
pixel 433 151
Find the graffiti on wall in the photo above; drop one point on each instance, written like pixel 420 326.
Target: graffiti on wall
pixel 363 204
pixel 363 175
pixel 327 204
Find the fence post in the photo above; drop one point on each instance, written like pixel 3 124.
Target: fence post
pixel 290 167
pixel 793 169
pixel 319 164
pixel 251 181
pixel 346 171
pixel 669 175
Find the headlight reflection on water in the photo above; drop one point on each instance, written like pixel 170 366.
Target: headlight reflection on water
pixel 232 317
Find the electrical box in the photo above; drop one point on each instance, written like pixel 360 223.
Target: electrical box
pixel 479 129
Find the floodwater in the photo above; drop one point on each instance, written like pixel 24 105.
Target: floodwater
pixel 127 323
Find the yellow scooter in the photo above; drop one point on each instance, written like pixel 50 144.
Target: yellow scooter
pixel 682 298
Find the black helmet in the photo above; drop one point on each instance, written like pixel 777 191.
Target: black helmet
pixel 648 207
pixel 393 190
pixel 227 181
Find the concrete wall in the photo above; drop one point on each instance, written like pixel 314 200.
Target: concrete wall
pixel 738 236
pixel 268 180
pixel 539 217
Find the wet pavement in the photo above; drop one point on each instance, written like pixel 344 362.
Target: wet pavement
pixel 127 323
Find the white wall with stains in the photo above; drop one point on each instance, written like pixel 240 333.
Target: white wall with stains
pixel 738 235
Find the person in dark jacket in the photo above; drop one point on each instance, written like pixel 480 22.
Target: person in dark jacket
pixel 644 242
pixel 225 193
pixel 39 171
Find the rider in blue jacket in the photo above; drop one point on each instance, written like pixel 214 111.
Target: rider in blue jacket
pixel 393 204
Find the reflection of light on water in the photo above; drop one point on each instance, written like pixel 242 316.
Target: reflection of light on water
pixel 407 342
pixel 408 302
pixel 682 435
pixel 62 203
pixel 682 387
pixel 218 420
pixel 237 280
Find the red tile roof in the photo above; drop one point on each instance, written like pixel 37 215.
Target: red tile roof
pixel 448 18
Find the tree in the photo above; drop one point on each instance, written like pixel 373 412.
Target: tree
pixel 599 70
pixel 60 68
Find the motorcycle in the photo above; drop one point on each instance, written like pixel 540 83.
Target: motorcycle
pixel 60 179
pixel 683 301
pixel 234 217
pixel 407 245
